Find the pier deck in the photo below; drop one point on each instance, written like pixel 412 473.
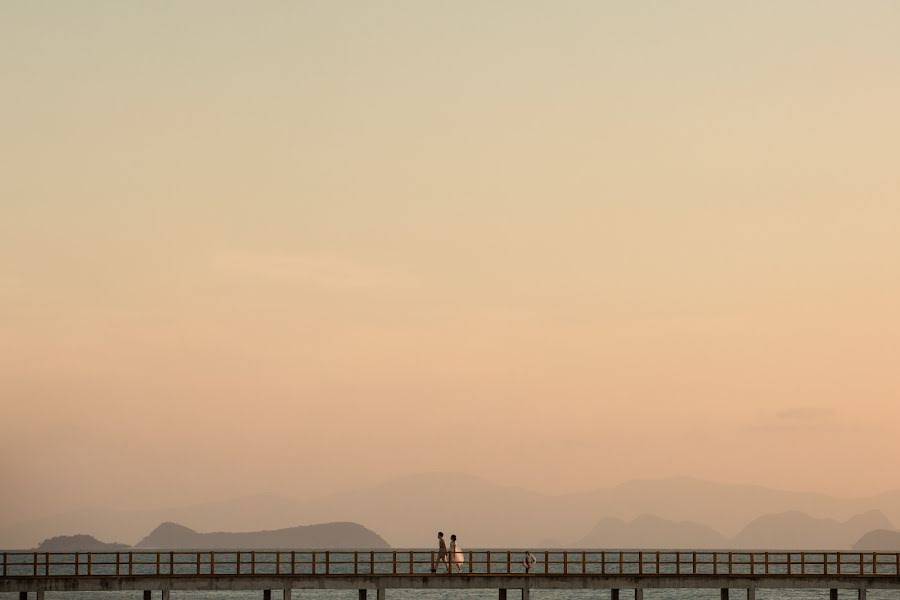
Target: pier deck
pixel 380 570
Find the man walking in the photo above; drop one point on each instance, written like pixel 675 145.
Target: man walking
pixel 442 553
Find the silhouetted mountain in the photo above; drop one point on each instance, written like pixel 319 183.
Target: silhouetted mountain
pixel 879 540
pixel 408 511
pixel 325 535
pixel 794 529
pixel 80 542
pixel 648 531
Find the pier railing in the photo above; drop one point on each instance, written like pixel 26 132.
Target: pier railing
pixel 248 563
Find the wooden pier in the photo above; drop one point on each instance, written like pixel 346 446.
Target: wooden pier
pixel 382 570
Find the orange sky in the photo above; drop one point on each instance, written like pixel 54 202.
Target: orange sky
pixel 300 247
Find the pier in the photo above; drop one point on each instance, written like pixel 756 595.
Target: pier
pixel 157 573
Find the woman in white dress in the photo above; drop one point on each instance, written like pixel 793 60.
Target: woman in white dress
pixel 456 554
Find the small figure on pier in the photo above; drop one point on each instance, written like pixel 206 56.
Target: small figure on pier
pixel 442 553
pixel 456 554
pixel 528 561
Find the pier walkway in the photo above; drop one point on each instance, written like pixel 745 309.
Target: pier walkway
pixel 381 570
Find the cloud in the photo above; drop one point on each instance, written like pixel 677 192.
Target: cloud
pixel 319 271
pixel 804 413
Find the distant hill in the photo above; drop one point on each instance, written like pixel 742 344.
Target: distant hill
pixel 482 513
pixel 80 542
pixel 647 531
pixel 794 530
pixel 879 539
pixel 325 535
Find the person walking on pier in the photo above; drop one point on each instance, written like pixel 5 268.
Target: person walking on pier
pixel 442 553
pixel 528 561
pixel 456 554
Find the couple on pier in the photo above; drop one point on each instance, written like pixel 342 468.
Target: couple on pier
pixel 453 556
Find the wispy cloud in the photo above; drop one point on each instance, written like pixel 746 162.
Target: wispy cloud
pixel 804 413
pixel 314 270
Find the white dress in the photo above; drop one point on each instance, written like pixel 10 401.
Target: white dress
pixel 456 554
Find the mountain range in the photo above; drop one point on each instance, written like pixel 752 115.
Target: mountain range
pixel 408 511
pixel 787 530
pixel 324 535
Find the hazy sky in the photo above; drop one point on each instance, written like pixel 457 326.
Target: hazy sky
pixel 295 247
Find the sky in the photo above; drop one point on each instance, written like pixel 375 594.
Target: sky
pixel 299 247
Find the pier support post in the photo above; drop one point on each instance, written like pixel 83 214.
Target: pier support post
pixel 362 593
pixel 380 595
pixel 165 594
pixel 723 594
pixel 23 595
pixel 751 593
pixel 267 594
pixel 862 593
pixel 638 594
pixel 287 592
pixel 39 594
pixel 501 594
pixel 614 594
pixel 148 595
pixel 526 593
pixel 833 594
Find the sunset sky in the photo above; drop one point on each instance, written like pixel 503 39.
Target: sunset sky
pixel 299 247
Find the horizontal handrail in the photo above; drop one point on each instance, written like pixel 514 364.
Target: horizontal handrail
pixel 177 563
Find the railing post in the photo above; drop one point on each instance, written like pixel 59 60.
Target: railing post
pixel 565 563
pixel 35 564
pixel 277 563
pixel 693 563
pixel 803 563
pixel 212 562
pixel 677 563
pixel 253 562
pixel 411 570
pixel 640 562
pixel 488 562
pixel 583 562
pixel 393 561
pixel 766 564
pixel 838 558
pixel 546 562
pixel 372 562
pixel 752 563
pixel 730 563
pixel 355 562
pixel 294 562
pixel 130 563
pixel 90 560
pixel 471 562
pixel 657 562
pixel 603 562
pixel 237 565
pixel 197 557
pixel 508 562
pixel 328 562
